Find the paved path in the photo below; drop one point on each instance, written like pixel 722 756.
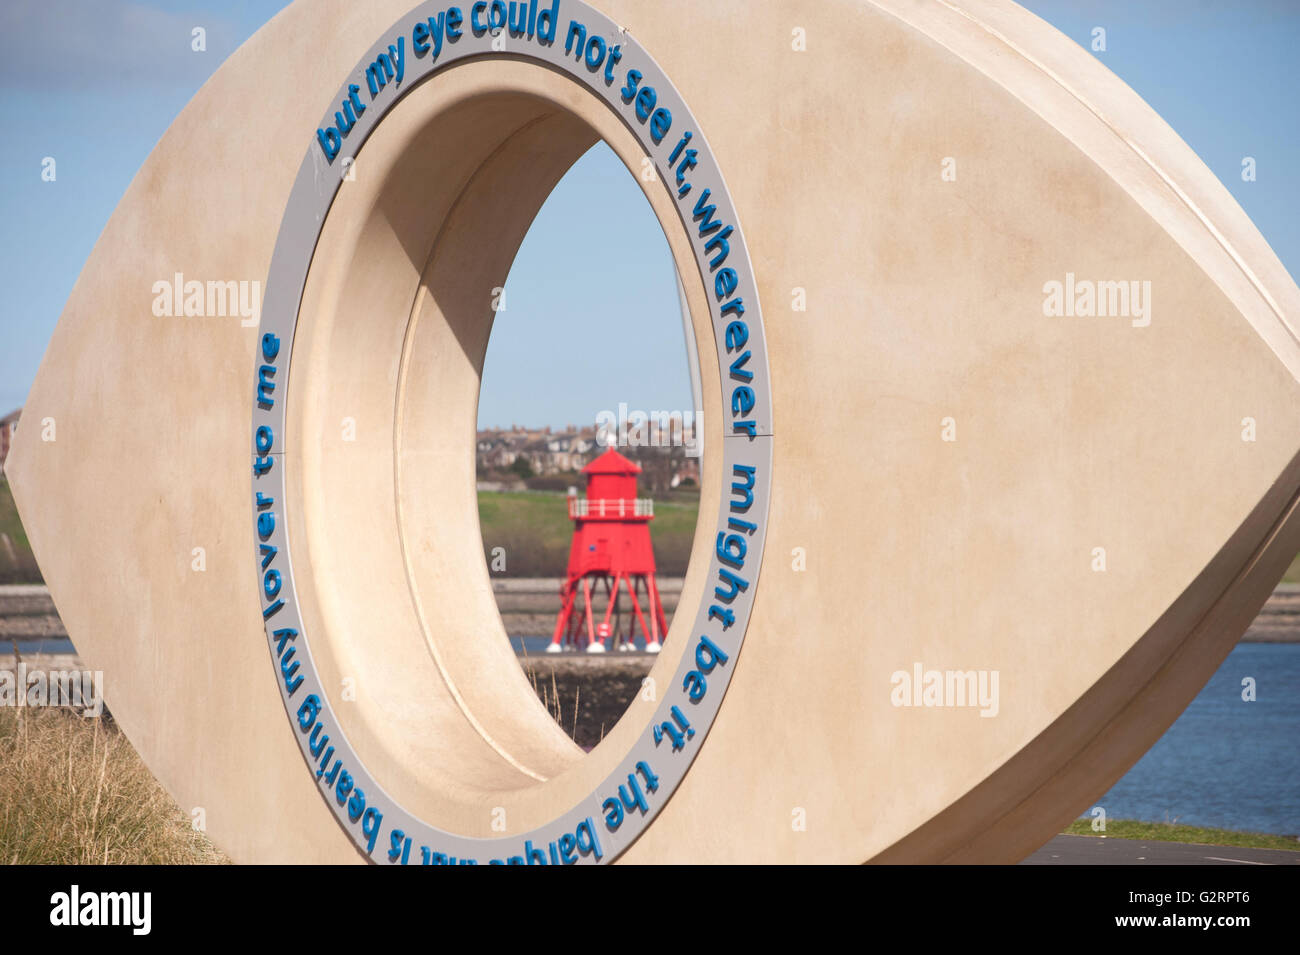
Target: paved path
pixel 1093 850
pixel 529 605
pixel 1279 620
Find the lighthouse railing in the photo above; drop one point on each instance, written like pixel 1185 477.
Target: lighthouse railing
pixel 611 508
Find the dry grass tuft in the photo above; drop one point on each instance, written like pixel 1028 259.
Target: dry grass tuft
pixel 73 791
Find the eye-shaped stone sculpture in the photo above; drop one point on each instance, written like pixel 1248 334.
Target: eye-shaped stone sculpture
pixel 991 506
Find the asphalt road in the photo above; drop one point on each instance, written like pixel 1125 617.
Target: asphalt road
pixel 1095 850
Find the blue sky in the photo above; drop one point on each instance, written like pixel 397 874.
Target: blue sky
pixel 95 83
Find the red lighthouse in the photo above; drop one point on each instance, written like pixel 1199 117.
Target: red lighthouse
pixel 611 546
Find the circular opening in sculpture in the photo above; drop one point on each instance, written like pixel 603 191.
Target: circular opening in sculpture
pixel 381 494
pixel 588 447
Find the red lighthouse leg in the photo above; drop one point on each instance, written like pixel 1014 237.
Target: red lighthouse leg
pixel 593 645
pixel 613 599
pixel 636 606
pixel 657 610
pixel 562 622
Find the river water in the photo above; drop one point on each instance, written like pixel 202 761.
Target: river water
pixel 1226 763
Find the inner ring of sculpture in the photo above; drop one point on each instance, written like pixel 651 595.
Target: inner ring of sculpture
pixel 408 668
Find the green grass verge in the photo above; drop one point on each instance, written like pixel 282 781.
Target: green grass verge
pixel 17 565
pixel 534 529
pixel 9 522
pixel 1175 832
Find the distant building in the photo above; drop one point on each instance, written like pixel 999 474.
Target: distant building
pixel 661 447
pixel 547 451
pixel 687 473
pixel 8 425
